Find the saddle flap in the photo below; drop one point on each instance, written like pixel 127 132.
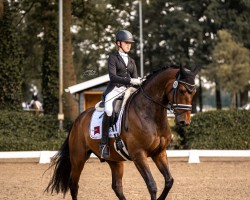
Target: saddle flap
pixel 117 104
pixel 96 125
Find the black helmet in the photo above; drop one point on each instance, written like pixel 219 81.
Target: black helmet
pixel 124 36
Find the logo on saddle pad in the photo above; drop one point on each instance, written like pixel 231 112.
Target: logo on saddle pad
pixel 97 130
pixel 96 126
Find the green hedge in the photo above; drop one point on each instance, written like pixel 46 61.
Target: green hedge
pixel 218 130
pixel 24 131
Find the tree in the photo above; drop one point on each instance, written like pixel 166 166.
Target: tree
pixel 38 29
pixel 95 23
pixel 230 64
pixel 214 15
pixel 183 32
pixel 69 75
pixel 28 19
pixel 50 75
pixel 172 37
pixel 11 61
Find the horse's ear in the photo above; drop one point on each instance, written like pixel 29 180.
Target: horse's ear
pixel 182 69
pixel 196 69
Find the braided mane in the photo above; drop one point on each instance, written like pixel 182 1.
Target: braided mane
pixel 157 71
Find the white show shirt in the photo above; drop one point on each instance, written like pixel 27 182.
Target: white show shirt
pixel 124 57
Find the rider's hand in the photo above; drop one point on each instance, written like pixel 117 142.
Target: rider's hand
pixel 142 79
pixel 135 81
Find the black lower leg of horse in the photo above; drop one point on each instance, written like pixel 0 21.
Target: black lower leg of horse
pixel 76 169
pixel 73 189
pixel 73 185
pixel 142 165
pixel 162 164
pixel 117 174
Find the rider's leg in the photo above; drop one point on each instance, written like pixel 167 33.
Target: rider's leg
pixel 31 103
pixel 128 92
pixel 104 148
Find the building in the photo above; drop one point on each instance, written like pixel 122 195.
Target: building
pixel 89 92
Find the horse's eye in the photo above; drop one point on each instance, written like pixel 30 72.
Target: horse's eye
pixel 182 91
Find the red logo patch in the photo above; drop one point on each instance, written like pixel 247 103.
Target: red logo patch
pixel 97 130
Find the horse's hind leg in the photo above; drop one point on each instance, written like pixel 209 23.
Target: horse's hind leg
pixel 162 164
pixel 78 157
pixel 74 179
pixel 117 174
pixel 77 164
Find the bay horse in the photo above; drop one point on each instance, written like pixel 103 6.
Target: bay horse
pixel 146 133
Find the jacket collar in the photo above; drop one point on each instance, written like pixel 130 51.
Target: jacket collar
pixel 120 58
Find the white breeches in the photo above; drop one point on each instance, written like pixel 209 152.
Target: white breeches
pixel 110 97
pixel 116 92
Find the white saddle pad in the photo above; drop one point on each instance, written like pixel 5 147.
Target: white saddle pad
pixel 96 125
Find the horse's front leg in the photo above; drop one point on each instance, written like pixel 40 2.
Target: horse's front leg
pixel 117 174
pixel 162 164
pixel 141 164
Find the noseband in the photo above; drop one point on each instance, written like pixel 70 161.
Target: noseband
pixel 174 106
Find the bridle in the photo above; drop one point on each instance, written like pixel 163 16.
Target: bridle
pixel 171 105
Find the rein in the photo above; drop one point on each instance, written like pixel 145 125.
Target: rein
pixel 151 99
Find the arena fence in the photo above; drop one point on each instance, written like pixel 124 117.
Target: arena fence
pixel 192 155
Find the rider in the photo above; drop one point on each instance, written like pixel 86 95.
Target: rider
pixel 34 100
pixel 122 74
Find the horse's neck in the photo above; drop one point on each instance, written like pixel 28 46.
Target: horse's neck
pixel 160 85
pixel 155 89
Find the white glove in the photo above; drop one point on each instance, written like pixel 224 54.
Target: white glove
pixel 135 81
pixel 142 79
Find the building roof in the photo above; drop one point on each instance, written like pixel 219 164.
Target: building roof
pixel 88 84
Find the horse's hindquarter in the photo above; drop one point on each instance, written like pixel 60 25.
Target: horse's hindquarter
pixel 79 135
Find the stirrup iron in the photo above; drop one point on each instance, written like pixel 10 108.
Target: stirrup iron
pixel 104 150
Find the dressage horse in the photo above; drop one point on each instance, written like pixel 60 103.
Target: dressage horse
pixel 145 133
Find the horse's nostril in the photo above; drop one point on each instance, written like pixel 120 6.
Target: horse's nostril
pixel 182 123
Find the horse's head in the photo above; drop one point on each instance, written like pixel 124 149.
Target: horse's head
pixel 171 88
pixel 181 95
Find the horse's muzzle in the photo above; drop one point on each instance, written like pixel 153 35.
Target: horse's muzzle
pixel 182 123
pixel 183 119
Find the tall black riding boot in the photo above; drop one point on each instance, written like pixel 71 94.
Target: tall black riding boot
pixel 104 148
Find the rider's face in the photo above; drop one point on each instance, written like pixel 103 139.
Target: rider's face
pixel 125 46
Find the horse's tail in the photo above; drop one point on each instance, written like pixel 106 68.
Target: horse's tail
pixel 60 180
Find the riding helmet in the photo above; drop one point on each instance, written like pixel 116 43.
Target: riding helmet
pixel 124 36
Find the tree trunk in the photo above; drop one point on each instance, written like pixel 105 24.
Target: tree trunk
pixel 1 8
pixel 200 95
pixel 69 77
pixel 236 100
pixel 233 100
pixel 194 103
pixel 218 97
pixel 244 97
